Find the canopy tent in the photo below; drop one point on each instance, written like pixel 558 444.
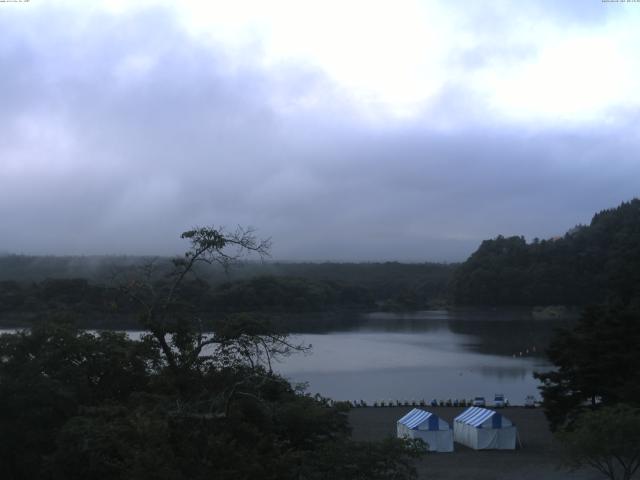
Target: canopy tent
pixel 434 431
pixel 482 429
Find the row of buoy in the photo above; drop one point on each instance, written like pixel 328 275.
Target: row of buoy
pixel 413 403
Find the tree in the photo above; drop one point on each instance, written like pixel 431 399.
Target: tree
pixel 594 263
pixel 188 400
pixel 596 364
pixel 607 440
pixel 48 374
pixel 163 313
pixel 238 343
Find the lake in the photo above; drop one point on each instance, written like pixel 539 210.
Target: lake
pixel 424 355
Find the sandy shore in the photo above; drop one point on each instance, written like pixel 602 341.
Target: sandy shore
pixel 538 459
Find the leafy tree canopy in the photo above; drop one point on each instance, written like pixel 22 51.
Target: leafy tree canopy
pixel 607 440
pixel 597 363
pixel 589 264
pixel 181 402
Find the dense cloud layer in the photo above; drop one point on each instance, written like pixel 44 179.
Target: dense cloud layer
pixel 121 131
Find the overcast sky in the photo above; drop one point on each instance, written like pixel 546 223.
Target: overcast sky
pixel 343 130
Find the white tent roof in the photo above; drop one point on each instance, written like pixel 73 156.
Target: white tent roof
pixel 477 417
pixel 417 418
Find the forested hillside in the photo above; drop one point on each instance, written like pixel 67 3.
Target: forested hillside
pixel 175 403
pixel 386 281
pixel 589 264
pixel 90 287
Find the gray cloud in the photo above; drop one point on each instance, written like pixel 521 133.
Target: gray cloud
pixel 122 131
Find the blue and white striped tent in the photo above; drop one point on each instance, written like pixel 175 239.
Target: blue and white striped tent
pixel 481 428
pixel 434 431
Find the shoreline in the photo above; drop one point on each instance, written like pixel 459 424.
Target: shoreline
pixel 539 458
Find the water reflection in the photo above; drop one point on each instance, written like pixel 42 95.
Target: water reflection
pixel 417 355
pixel 421 355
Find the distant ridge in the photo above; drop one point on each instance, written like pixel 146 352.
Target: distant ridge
pixel 589 264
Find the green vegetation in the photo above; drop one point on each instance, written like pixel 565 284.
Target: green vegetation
pixel 75 405
pixel 100 306
pixel 597 364
pixel 178 403
pixel 589 265
pixel 387 282
pixel 607 440
pixel 592 398
pixel 287 294
pixel 181 403
pixel 268 289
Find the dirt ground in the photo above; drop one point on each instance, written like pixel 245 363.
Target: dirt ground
pixel 538 459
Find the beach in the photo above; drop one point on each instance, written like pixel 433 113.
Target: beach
pixel 538 458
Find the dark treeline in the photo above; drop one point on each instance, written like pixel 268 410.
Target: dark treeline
pixel 174 404
pixel 392 283
pixel 589 264
pixel 100 306
pixel 593 392
pixel 97 269
pixel 99 301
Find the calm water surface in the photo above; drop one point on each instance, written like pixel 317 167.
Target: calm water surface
pixel 425 355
